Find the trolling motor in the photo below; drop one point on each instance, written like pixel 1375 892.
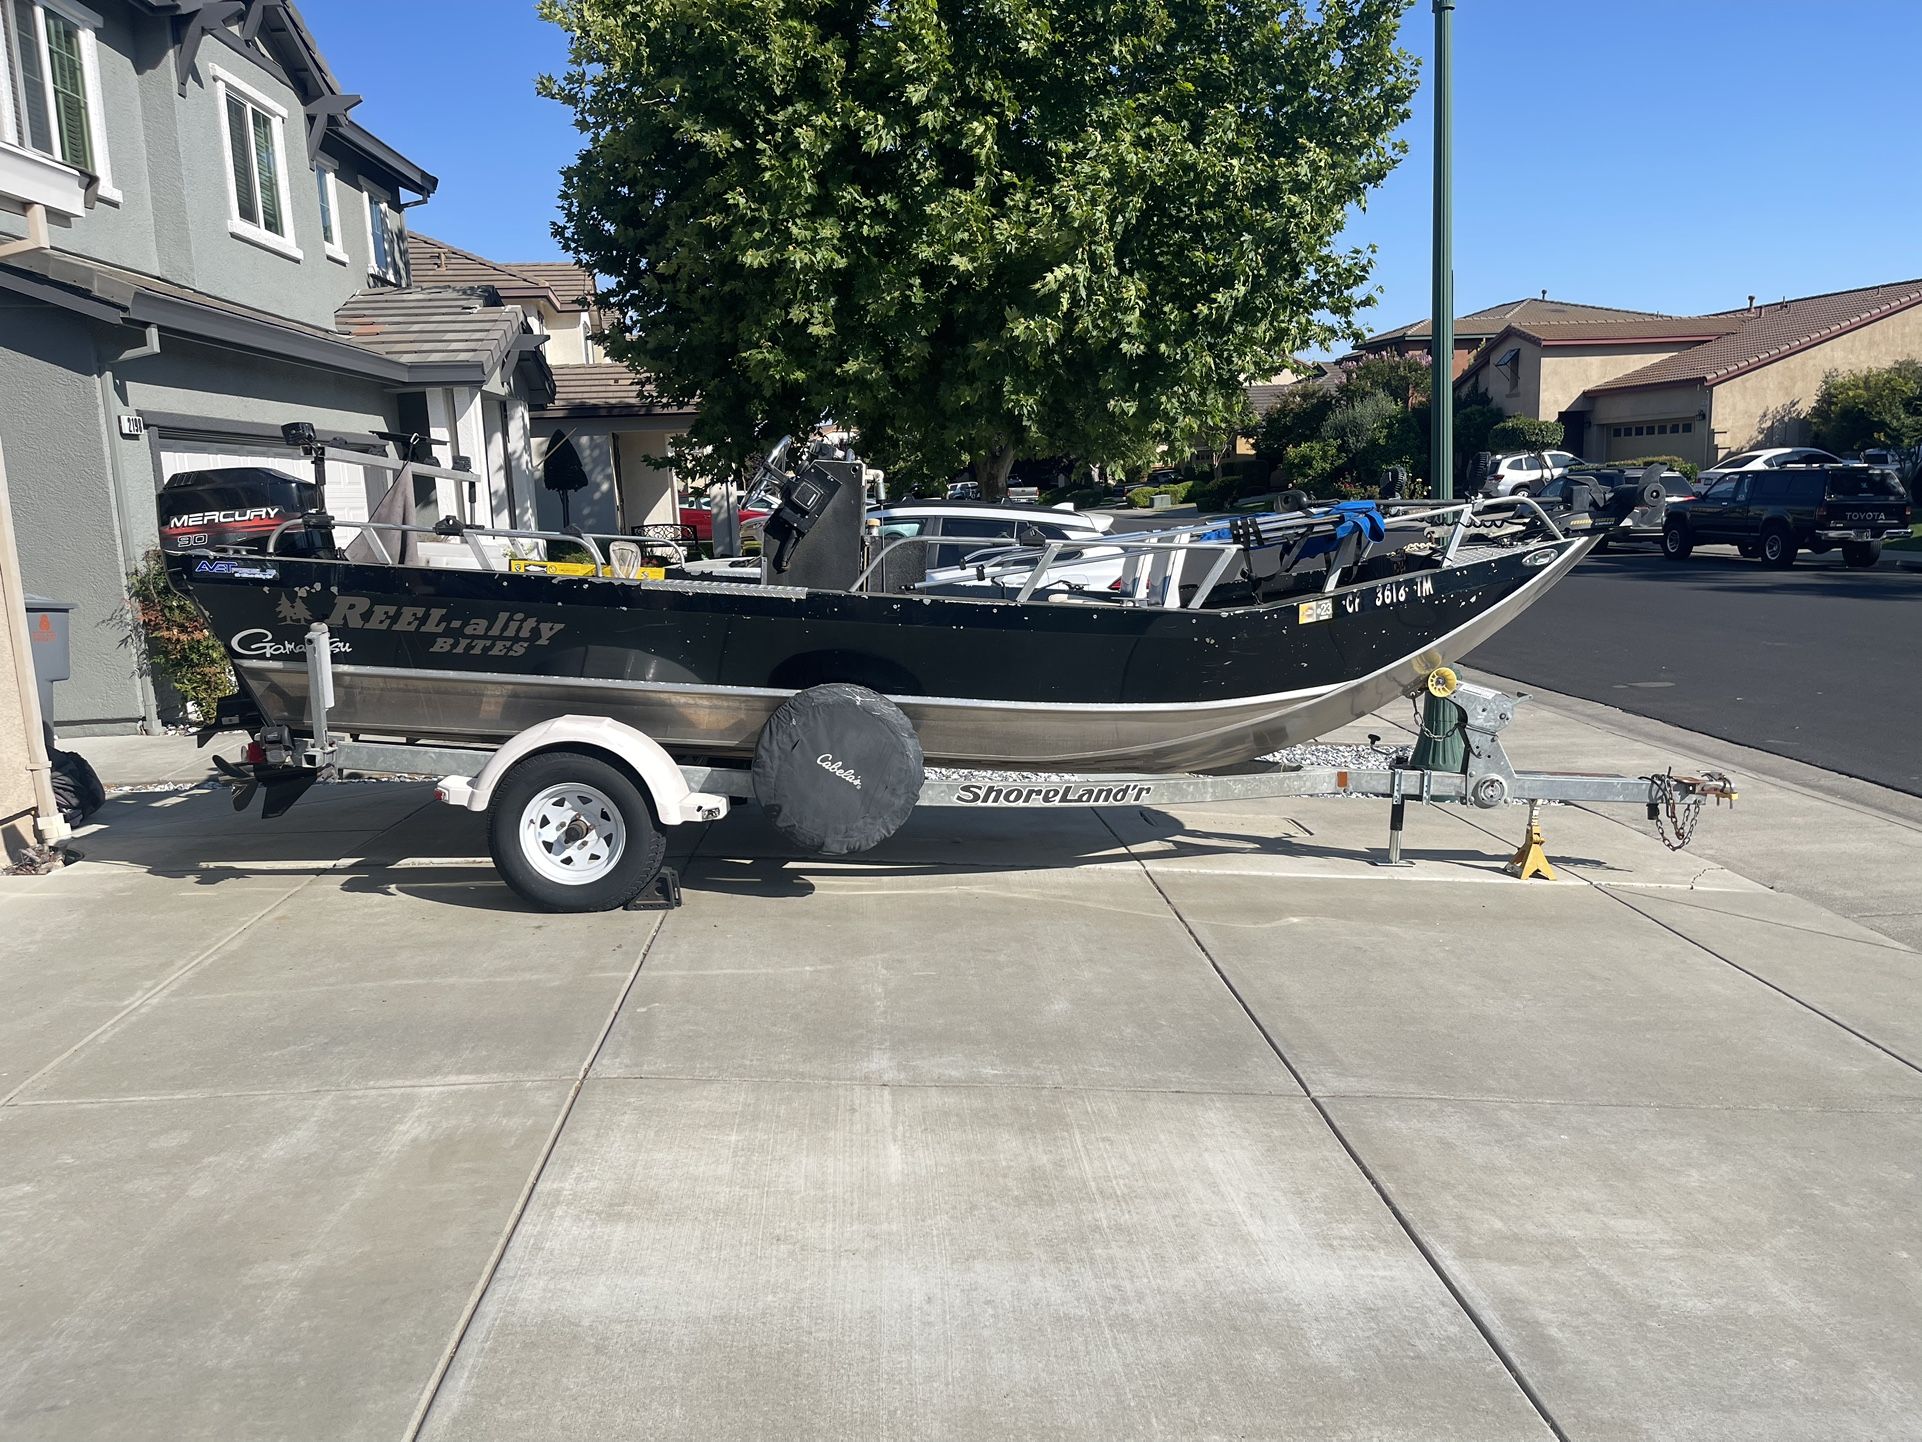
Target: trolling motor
pixel 825 500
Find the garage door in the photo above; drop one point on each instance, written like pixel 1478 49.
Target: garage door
pixel 347 482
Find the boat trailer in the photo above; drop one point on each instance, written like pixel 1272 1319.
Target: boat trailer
pixel 573 820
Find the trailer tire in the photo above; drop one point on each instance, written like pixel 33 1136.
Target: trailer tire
pixel 1861 554
pixel 571 832
pixel 838 769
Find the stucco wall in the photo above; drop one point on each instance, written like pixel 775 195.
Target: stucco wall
pixel 68 532
pixel 1769 406
pixel 166 152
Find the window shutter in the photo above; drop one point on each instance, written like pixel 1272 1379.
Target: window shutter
pixel 33 86
pixel 241 141
pixel 267 166
pixel 69 91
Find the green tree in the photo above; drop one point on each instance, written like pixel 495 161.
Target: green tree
pixel 1525 433
pixel 973 231
pixel 1869 408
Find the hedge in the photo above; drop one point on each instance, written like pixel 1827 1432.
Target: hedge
pixel 1142 498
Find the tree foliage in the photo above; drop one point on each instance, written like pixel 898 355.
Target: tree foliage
pixel 1525 433
pixel 1869 408
pixel 974 229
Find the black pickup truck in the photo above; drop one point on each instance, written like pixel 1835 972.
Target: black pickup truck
pixel 1775 514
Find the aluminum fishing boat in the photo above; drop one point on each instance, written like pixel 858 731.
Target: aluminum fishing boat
pixel 1221 641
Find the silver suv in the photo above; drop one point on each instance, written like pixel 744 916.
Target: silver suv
pixel 1515 472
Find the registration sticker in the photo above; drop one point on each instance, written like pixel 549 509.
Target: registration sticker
pixel 1315 610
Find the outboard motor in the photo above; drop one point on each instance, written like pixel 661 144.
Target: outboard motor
pixel 814 538
pixel 235 508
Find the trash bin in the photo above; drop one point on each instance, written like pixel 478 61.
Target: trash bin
pixel 52 661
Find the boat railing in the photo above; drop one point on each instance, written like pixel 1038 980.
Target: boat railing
pixel 1152 562
pixel 473 536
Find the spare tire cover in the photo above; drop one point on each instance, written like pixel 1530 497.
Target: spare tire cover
pixel 838 769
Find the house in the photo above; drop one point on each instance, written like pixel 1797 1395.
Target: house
pixel 1697 387
pixel 1476 329
pixel 618 427
pixel 198 243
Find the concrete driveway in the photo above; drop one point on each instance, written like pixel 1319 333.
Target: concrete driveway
pixel 1066 1126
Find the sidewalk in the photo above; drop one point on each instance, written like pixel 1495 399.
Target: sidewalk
pixel 1077 1125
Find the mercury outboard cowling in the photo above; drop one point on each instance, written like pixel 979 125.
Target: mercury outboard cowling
pixel 234 508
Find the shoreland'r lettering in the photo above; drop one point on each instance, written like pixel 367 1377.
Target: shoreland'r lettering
pixel 1121 793
pixel 828 764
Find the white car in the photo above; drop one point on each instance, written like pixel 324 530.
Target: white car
pixel 1772 458
pixel 962 542
pixel 1518 472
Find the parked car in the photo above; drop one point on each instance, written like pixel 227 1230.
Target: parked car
pixel 964 544
pixel 1773 513
pixel 698 516
pixel 1769 459
pixel 1516 472
pixel 964 491
pixel 1642 523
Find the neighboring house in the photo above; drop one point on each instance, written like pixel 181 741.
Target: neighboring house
pixel 1698 387
pixel 198 244
pixel 617 425
pixel 1478 328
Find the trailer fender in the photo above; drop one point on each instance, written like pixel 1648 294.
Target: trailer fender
pixel 640 753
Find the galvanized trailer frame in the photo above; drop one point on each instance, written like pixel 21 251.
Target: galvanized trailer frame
pixel 700 792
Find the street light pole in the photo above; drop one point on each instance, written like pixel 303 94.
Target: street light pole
pixel 1441 325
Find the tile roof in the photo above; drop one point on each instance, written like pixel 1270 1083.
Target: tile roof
pixel 425 325
pixel 436 263
pixel 606 389
pixel 1534 309
pixel 1770 332
pixel 573 285
pixel 1625 329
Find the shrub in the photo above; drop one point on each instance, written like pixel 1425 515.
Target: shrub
pixel 1525 433
pixel 1143 497
pixel 173 639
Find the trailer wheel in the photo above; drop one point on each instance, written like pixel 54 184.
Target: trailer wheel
pixel 573 833
pixel 1861 554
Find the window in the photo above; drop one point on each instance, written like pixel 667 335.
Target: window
pixel 330 215
pixel 1735 463
pixel 253 129
pixel 1688 427
pixel 384 248
pixel 50 85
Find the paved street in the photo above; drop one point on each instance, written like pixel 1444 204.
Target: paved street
pixel 1818 663
pixel 1143 1124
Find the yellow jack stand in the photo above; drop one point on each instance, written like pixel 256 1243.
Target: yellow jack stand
pixel 1530 859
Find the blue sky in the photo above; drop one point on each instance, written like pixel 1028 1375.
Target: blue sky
pixel 1671 155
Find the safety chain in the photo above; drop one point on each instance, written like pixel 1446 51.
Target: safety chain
pixel 1679 806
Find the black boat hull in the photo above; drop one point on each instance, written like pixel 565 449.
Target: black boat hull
pixel 475 657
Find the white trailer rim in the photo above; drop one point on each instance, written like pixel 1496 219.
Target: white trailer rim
pixel 572 833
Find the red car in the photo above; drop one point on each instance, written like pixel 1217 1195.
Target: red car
pixel 699 516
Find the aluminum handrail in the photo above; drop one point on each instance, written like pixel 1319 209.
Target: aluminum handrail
pixel 1034 563
pixel 466 533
